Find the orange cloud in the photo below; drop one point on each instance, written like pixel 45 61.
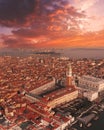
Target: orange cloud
pixel 49 23
pixel 86 40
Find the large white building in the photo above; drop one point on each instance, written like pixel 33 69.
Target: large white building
pixel 91 83
pixel 90 87
pixel 91 95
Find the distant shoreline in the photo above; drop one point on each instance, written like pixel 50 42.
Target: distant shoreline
pixel 77 53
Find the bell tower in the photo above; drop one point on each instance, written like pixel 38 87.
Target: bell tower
pixel 69 75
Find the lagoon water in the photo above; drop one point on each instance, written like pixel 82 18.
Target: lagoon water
pixel 96 124
pixel 84 53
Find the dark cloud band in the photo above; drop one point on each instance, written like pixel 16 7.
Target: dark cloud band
pixel 14 12
pixel 47 19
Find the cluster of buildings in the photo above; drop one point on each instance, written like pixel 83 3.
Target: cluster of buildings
pixel 53 95
pixel 31 88
pixel 91 87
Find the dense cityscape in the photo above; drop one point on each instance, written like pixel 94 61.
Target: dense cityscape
pixel 46 92
pixel 51 64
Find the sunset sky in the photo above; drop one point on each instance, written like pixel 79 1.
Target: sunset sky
pixel 51 23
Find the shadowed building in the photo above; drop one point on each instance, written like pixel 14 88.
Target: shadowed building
pixel 84 121
pixel 69 77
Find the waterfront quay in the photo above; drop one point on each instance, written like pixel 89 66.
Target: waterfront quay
pixel 95 124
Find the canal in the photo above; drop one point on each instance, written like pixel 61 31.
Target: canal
pixel 96 124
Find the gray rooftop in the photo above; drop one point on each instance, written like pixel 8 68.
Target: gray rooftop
pixel 93 79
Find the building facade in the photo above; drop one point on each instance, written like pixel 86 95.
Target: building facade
pixel 91 83
pixel 63 99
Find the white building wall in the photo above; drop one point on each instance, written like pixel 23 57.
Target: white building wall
pixel 91 84
pixel 91 96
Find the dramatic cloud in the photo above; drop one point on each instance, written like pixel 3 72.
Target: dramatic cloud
pixel 27 12
pixel 86 40
pixel 14 42
pixel 84 4
pixel 47 23
pixel 16 12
